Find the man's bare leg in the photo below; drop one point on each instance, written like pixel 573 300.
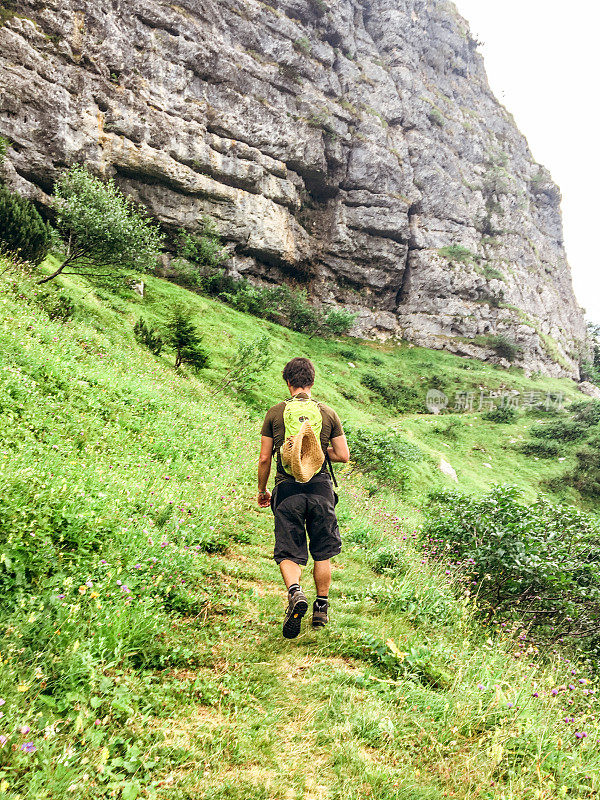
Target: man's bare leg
pixel 297 602
pixel 322 576
pixel 290 572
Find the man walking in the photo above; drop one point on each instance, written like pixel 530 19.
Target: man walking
pixel 303 500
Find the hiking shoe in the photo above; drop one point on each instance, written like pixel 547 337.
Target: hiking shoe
pixel 319 617
pixel 297 608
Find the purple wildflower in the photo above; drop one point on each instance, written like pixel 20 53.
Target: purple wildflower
pixel 28 747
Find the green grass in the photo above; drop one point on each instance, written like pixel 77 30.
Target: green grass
pixel 117 470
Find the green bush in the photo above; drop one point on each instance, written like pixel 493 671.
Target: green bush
pixel 204 249
pixel 586 476
pixel 540 448
pixel 562 430
pixel 450 430
pixel 457 252
pixel 22 230
pixel 281 304
pixel 394 394
pixel 540 561
pixel 491 273
pixel 586 412
pixel 387 560
pixel 57 305
pixel 338 321
pixel 501 414
pixel 148 336
pixel 384 454
pixel 436 117
pixel 504 347
pixel 4 143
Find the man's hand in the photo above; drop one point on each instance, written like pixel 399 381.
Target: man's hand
pixel 264 468
pixel 264 499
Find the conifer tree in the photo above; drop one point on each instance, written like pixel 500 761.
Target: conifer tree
pixel 184 338
pixel 22 230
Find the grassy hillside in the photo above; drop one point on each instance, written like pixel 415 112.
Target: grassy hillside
pixel 142 654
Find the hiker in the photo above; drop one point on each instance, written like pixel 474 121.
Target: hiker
pixel 305 435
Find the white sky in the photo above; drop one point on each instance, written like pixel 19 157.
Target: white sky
pixel 542 62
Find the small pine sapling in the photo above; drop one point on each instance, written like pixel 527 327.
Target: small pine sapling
pixel 184 338
pixel 148 336
pixel 249 362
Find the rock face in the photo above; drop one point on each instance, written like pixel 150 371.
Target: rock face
pixel 353 147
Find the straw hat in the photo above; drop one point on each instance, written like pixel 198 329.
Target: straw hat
pixel 302 454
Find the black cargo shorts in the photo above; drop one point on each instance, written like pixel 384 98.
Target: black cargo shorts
pixel 305 508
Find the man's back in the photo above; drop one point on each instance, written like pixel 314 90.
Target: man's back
pixel 274 428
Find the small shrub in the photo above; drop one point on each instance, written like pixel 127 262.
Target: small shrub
pixel 491 273
pixel 377 361
pixel 338 321
pixel 501 414
pixel 436 117
pixel 450 430
pixel 456 252
pixel 250 361
pixel 543 559
pixel 4 144
pixel 57 305
pixel 561 430
pixel 586 412
pixel 541 449
pixel 22 230
pixel 148 336
pixel 186 341
pixel 388 559
pixel 393 393
pixel 384 454
pixel 204 249
pixel 586 476
pixel 504 347
pixel 303 45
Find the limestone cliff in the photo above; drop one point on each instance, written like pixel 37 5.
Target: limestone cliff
pixel 352 146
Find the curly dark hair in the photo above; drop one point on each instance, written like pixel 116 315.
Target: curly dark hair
pixel 299 373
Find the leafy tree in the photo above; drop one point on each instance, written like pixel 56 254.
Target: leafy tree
pixel 184 338
pixel 100 227
pixel 22 230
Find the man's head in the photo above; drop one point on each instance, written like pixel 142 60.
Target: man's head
pixel 299 373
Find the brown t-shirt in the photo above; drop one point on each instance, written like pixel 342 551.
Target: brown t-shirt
pixel 274 427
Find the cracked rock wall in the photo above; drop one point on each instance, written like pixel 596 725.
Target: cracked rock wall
pixel 342 145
